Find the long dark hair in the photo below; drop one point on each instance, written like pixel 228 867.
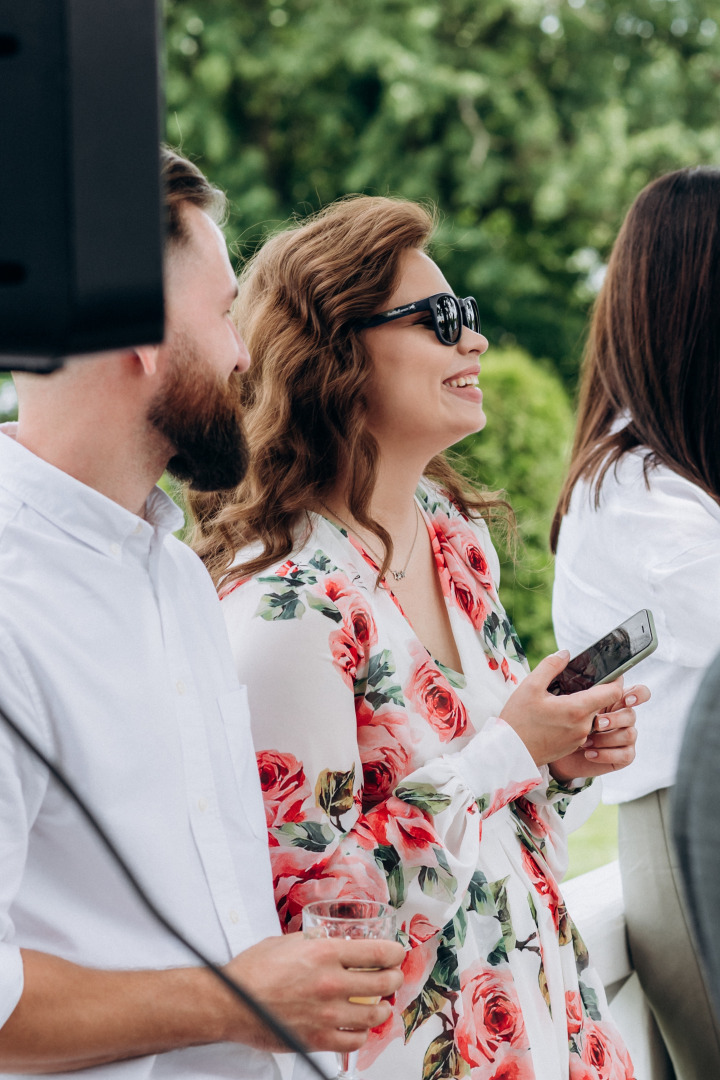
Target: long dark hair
pixel 653 350
pixel 302 299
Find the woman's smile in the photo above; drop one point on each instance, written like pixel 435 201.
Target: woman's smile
pixel 464 384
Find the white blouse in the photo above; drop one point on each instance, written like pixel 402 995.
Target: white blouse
pixel 656 547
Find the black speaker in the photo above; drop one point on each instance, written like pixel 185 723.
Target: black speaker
pixel 80 199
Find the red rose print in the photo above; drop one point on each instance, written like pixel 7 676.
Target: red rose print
pixel 531 815
pixel 579 1070
pixel 345 654
pixel 284 786
pixel 545 884
pixel 440 564
pixel 431 693
pixel 508 1065
pixel 384 743
pixel 354 873
pixel 602 1050
pixel 491 1014
pixel 573 1009
pixel 350 644
pixel 355 609
pixel 511 793
pixel 421 929
pixel 406 828
pixel 466 566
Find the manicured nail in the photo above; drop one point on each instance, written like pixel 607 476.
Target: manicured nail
pixel 588 742
pixel 603 722
pixel 591 753
pixel 563 654
pixel 631 700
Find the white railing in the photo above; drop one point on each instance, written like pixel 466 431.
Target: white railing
pixel 595 904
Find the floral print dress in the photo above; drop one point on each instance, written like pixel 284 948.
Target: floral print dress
pixel 388 775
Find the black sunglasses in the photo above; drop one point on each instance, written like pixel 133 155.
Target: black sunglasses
pixel 449 315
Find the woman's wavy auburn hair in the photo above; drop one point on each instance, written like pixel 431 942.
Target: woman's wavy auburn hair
pixel 302 299
pixel 653 349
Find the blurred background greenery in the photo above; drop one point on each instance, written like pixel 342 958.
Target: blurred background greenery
pixel 531 124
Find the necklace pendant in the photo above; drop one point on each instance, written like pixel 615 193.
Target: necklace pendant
pixel 398 574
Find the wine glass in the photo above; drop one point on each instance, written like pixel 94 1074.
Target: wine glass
pixel 349 918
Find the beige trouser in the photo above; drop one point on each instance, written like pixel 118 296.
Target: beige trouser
pixel 661 944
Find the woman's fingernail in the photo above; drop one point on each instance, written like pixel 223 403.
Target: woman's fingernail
pixel 588 742
pixel 591 753
pixel 631 700
pixel 563 654
pixel 603 722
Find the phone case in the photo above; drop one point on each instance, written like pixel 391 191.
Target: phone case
pixel 649 648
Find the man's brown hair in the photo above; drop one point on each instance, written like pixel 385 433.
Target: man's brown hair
pixel 184 183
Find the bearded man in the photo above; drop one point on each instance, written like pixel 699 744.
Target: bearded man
pixel 114 660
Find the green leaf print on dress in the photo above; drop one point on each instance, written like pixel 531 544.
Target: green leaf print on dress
pixel 424 796
pixel 334 793
pixel 290 580
pixel 443 1060
pixel 381 686
pixel 480 895
pixel 311 835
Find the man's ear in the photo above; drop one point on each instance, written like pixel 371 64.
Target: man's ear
pixel 148 357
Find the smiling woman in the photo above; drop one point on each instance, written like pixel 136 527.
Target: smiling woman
pixel 405 753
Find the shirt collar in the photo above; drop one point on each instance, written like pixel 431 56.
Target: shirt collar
pixel 74 507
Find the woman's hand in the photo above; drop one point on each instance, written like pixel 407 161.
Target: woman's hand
pixel 554 728
pixel 611 743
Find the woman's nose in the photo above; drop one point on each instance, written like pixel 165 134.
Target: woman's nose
pixel 472 341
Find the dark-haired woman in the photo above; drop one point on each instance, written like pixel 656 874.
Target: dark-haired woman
pixel 639 526
pixel 405 753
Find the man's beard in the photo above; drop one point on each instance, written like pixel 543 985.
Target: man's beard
pixel 199 413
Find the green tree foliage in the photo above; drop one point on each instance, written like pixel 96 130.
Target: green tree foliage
pixel 531 123
pixel 8 401
pixel 524 449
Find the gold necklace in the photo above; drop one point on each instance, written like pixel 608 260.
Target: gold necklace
pixel 397 574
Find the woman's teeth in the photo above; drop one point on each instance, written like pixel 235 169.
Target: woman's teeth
pixel 464 380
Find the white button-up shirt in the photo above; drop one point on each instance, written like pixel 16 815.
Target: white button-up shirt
pixel 654 547
pixel 114 658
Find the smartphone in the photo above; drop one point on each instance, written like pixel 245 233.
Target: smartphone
pixel 613 654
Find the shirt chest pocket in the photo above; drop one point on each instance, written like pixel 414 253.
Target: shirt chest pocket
pixel 236 725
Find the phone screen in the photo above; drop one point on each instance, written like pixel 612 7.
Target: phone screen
pixel 608 655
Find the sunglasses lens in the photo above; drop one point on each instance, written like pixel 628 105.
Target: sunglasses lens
pixel 448 318
pixel 471 313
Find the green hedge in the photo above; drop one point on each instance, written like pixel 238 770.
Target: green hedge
pixel 524 449
pixel 8 409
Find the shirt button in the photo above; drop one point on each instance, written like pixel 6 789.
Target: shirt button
pixel 202 805
pixel 234 917
pixel 180 686
pixel 114 549
pixel 138 528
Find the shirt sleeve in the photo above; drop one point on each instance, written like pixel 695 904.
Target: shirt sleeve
pixel 22 784
pixel 417 845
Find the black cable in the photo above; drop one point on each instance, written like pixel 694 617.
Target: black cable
pixel 267 1017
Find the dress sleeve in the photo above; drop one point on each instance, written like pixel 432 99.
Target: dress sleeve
pixel 22 785
pixel 551 811
pixel 411 837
